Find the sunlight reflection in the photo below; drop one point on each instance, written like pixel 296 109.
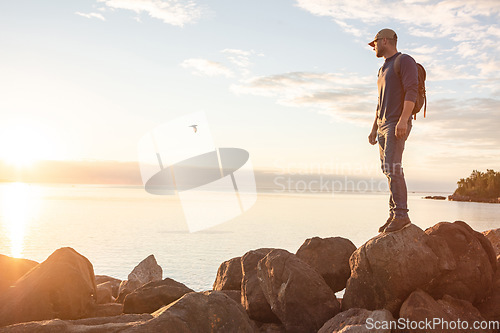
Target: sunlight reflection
pixel 20 203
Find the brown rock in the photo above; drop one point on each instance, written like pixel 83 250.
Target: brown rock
pixel 470 276
pixel 388 268
pixel 235 295
pixel 11 269
pixel 107 310
pixel 193 313
pixel 90 325
pixel 421 307
pixel 113 282
pixel 229 275
pixel 252 297
pixel 271 328
pixel 154 295
pixel 330 258
pixel 146 271
pixel 493 236
pixel 105 293
pixel 62 286
pixel 105 278
pixel 211 311
pixel 490 307
pixel 298 295
pixel 359 320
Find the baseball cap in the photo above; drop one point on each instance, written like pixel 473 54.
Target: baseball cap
pixel 384 33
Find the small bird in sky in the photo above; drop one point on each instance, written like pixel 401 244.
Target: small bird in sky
pixel 194 128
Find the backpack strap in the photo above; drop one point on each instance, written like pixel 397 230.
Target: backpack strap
pixel 397 68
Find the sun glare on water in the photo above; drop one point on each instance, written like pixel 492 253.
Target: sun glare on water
pixel 20 203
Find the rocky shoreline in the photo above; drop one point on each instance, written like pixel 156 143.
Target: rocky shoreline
pixel 448 271
pixel 467 198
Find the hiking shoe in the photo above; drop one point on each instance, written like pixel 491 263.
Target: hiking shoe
pixel 382 228
pixel 398 223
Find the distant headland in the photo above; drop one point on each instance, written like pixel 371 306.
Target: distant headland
pixel 478 187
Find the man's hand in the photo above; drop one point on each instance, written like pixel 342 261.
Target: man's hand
pixel 372 138
pixel 401 129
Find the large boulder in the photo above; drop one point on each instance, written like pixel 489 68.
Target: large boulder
pixel 107 310
pixel 154 295
pixel 11 269
pixel 445 315
pixel 235 295
pixel 210 311
pixel 490 307
pixel 194 312
pixel 110 281
pixel 471 258
pixel 493 236
pixel 229 275
pixel 146 271
pixel 62 286
pixel 271 328
pixel 89 325
pixel 104 293
pixel 297 293
pixel 330 257
pixel 252 297
pixel 359 321
pixel 388 268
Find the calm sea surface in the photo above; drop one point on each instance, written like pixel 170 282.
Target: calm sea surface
pixel 117 227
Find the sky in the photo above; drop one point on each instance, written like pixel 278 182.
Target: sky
pixel 293 82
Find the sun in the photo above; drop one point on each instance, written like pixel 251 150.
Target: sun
pixel 21 145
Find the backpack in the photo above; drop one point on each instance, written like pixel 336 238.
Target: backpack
pixel 421 96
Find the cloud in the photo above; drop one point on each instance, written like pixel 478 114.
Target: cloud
pixel 471 123
pixel 238 61
pixel 455 18
pixel 239 58
pixel 92 15
pixel 174 12
pixel 347 97
pixel 466 32
pixel 206 67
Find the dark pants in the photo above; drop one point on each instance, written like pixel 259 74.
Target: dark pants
pixel 391 155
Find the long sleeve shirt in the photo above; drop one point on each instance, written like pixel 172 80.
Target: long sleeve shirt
pixel 393 89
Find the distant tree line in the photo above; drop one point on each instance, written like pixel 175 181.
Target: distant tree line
pixel 479 184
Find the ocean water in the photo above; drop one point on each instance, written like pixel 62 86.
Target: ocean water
pixel 117 227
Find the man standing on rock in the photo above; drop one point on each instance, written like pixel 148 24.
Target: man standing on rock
pixel 397 93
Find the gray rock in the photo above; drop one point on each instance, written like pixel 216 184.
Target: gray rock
pixel 113 282
pixel 490 307
pixel 90 325
pixel 357 320
pixel 193 313
pixel 62 286
pixel 330 258
pixel 154 295
pixel 493 236
pixel 146 271
pixel 472 263
pixel 388 268
pixel 298 295
pixel 252 297
pixel 11 269
pixel 210 311
pixel 229 275
pixel 105 293
pixel 421 307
